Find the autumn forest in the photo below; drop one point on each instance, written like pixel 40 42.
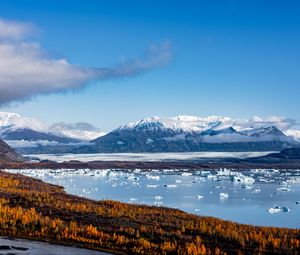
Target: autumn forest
pixel 40 211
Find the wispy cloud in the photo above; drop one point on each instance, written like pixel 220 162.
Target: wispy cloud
pixel 15 30
pixel 26 71
pixel 282 123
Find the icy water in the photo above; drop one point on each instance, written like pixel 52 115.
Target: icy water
pixel 22 246
pixel 247 197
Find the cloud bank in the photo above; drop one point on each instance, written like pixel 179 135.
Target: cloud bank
pixel 25 71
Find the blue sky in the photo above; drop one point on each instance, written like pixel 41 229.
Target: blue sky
pixel 233 58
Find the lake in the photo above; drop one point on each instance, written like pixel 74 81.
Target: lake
pixel 261 197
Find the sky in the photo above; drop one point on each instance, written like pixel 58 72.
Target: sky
pixel 112 62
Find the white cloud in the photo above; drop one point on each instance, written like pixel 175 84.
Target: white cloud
pixel 24 143
pixel 282 123
pixel 15 30
pixel 33 144
pixel 25 71
pixel 293 133
pixel 80 130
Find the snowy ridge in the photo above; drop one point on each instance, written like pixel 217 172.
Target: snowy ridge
pixel 15 121
pixel 183 123
pixel 21 131
pixel 216 126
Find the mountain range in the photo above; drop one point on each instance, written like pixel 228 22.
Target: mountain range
pixel 190 133
pixel 155 134
pixel 31 135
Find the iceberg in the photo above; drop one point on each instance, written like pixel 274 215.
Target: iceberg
pixel 151 186
pixel 278 209
pixel 170 185
pixel 223 195
pixel 186 174
pixel 243 179
pixel 153 177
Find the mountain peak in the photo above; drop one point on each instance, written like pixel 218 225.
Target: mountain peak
pixel 180 123
pixel 14 119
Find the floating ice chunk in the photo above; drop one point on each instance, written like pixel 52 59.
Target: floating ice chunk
pixel 137 170
pixel 158 197
pixel 225 172
pixel 285 209
pixel 219 187
pixel 297 202
pixel 224 195
pixel 246 186
pixel 186 174
pixel 294 180
pixel 153 177
pixel 278 209
pixel 178 181
pixel 284 189
pixel 151 186
pixel 243 179
pixel 132 178
pixel 133 199
pixel 211 177
pixel 256 191
pixel 170 185
pixel 200 196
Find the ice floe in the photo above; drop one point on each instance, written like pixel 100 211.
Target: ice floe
pixel 224 195
pixel 278 209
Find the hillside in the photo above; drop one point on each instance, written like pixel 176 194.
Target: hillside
pixel 40 211
pixel 7 153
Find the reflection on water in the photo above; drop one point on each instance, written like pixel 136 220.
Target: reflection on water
pixel 245 197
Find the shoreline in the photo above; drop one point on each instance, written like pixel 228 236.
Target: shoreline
pixel 43 247
pixel 144 165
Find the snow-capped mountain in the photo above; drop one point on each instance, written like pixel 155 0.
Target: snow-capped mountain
pixel 155 134
pixel 180 123
pixel 15 121
pixel 21 132
pixel 212 126
pixel 191 133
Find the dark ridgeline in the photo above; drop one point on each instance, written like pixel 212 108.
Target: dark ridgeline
pixel 8 154
pixel 149 139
